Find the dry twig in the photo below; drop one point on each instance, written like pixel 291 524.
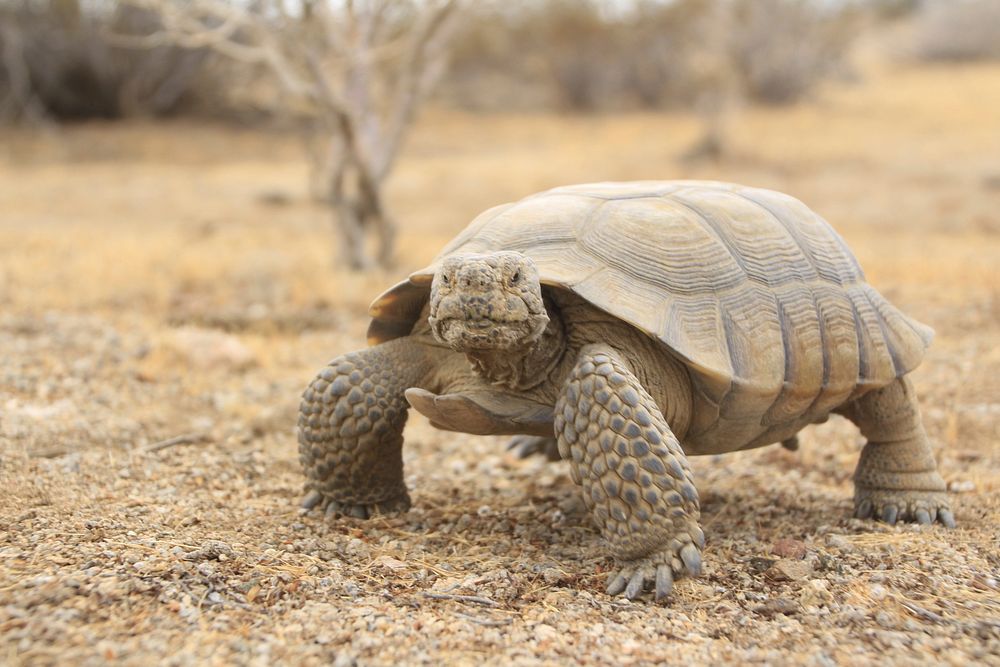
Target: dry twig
pixel 461 598
pixel 185 439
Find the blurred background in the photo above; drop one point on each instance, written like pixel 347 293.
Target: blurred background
pixel 200 198
pixel 759 90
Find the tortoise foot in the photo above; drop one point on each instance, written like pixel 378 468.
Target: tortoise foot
pixel 892 506
pixel 359 510
pixel 656 571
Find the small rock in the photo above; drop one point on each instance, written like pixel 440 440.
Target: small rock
pixel 885 620
pixel 789 548
pixel 815 593
pixel 961 486
pixel 390 562
pixel 345 660
pixel 840 543
pixel 789 570
pixel 776 606
pixel 759 564
pixel 211 550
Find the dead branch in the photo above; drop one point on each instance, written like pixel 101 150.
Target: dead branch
pixel 416 80
pixel 19 101
pixel 363 68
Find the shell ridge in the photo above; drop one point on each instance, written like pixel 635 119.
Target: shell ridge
pixel 824 349
pixel 709 223
pixel 579 245
pixel 727 326
pixel 898 367
pixel 863 360
pixel 473 227
pixel 792 233
pixel 783 323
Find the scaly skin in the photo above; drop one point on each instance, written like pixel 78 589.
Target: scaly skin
pixel 635 476
pixel 351 429
pixel 896 478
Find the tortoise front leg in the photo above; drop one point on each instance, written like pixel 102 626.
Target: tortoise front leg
pixel 351 429
pixel 635 476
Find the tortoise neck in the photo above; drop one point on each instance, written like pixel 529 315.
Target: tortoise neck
pixel 525 367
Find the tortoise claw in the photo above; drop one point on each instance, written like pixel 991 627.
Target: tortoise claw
pixel 656 571
pixel 692 559
pixel 357 511
pixel 889 513
pixel 864 510
pixel 617 584
pixel 635 585
pixel 312 499
pixel 664 581
pixel 896 506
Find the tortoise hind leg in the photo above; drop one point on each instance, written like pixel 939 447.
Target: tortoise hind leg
pixel 896 478
pixel 635 477
pixel 351 429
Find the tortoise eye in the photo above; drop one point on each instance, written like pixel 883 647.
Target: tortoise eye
pixel 445 279
pixel 516 277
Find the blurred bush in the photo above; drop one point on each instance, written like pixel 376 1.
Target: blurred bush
pixel 585 54
pixel 59 59
pixel 781 49
pixel 959 30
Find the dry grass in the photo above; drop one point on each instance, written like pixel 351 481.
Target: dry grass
pixel 113 547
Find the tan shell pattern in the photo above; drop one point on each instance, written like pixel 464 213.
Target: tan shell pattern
pixel 751 288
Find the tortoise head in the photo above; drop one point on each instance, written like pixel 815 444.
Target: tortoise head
pixel 489 301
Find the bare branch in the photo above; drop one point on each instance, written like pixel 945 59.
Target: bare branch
pixel 19 100
pixel 363 68
pixel 414 81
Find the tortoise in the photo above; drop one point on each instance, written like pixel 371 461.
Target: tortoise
pixel 635 324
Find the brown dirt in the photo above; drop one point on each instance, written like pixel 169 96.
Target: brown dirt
pixel 165 281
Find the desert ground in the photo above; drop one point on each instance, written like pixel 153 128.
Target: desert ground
pixel 168 290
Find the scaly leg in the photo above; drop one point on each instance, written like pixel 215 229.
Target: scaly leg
pixel 896 478
pixel 635 477
pixel 351 429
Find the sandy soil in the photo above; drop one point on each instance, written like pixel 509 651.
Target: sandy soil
pixel 166 292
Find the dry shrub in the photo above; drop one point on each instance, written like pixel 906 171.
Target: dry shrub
pixel 586 55
pixel 782 48
pixel 58 59
pixel 953 30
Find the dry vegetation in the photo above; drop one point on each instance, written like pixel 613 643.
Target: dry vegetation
pixel 165 281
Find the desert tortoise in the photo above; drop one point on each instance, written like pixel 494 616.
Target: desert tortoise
pixel 638 323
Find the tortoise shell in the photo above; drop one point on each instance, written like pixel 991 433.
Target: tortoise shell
pixel 751 289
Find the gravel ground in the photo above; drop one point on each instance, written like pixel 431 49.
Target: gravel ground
pixel 117 547
pixel 149 380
